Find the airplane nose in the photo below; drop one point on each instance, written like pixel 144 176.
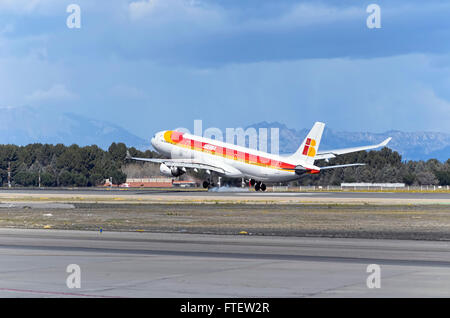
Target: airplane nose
pixel 156 137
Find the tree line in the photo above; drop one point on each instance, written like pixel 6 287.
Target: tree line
pixel 60 165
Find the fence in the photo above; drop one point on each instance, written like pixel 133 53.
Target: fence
pixel 360 188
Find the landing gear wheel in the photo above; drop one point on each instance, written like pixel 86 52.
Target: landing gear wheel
pixel 252 182
pixel 257 186
pixel 205 184
pixel 263 187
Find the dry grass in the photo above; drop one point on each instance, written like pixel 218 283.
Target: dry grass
pixel 385 221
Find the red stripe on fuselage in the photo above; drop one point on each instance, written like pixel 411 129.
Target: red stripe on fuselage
pixel 178 139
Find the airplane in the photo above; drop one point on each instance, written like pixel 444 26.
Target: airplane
pixel 186 151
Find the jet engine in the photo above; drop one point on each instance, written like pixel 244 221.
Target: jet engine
pixel 170 172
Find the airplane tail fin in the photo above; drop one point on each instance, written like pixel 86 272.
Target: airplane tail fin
pixel 308 149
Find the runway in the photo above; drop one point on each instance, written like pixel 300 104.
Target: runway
pixel 123 264
pixel 225 192
pixel 241 195
pixel 184 261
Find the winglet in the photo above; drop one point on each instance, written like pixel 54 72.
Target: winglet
pixel 128 156
pixel 385 142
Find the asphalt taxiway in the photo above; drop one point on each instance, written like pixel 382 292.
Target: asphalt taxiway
pixel 33 263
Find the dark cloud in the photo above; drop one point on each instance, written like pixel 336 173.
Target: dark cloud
pixel 212 33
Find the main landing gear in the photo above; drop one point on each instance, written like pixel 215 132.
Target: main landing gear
pixel 258 185
pixel 207 184
pixel 210 182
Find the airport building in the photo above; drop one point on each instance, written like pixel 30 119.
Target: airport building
pixel 154 182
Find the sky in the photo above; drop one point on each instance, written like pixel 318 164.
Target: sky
pixel 149 65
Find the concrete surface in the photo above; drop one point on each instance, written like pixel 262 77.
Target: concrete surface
pixel 33 264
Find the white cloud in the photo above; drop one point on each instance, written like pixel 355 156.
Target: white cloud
pixel 174 11
pixel 127 91
pixel 229 20
pixel 8 28
pixel 29 6
pixel 305 14
pixel 57 92
pixel 17 6
pixel 139 9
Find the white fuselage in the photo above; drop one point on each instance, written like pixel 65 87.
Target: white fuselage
pixel 236 161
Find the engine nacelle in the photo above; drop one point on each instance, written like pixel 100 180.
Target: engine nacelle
pixel 170 172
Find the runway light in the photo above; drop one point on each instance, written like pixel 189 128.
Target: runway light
pixel 243 232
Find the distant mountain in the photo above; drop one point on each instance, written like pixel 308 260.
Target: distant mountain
pixel 411 145
pixel 25 125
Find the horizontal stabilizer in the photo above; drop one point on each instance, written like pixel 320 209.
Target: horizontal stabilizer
pixel 343 166
pixel 301 169
pixel 328 154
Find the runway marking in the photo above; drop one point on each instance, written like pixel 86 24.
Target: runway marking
pixel 54 293
pixel 238 255
pixel 273 194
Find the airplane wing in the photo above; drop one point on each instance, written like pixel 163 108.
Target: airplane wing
pixel 181 163
pixel 328 154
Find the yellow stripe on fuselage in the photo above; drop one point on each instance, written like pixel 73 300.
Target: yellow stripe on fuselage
pixel 168 138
